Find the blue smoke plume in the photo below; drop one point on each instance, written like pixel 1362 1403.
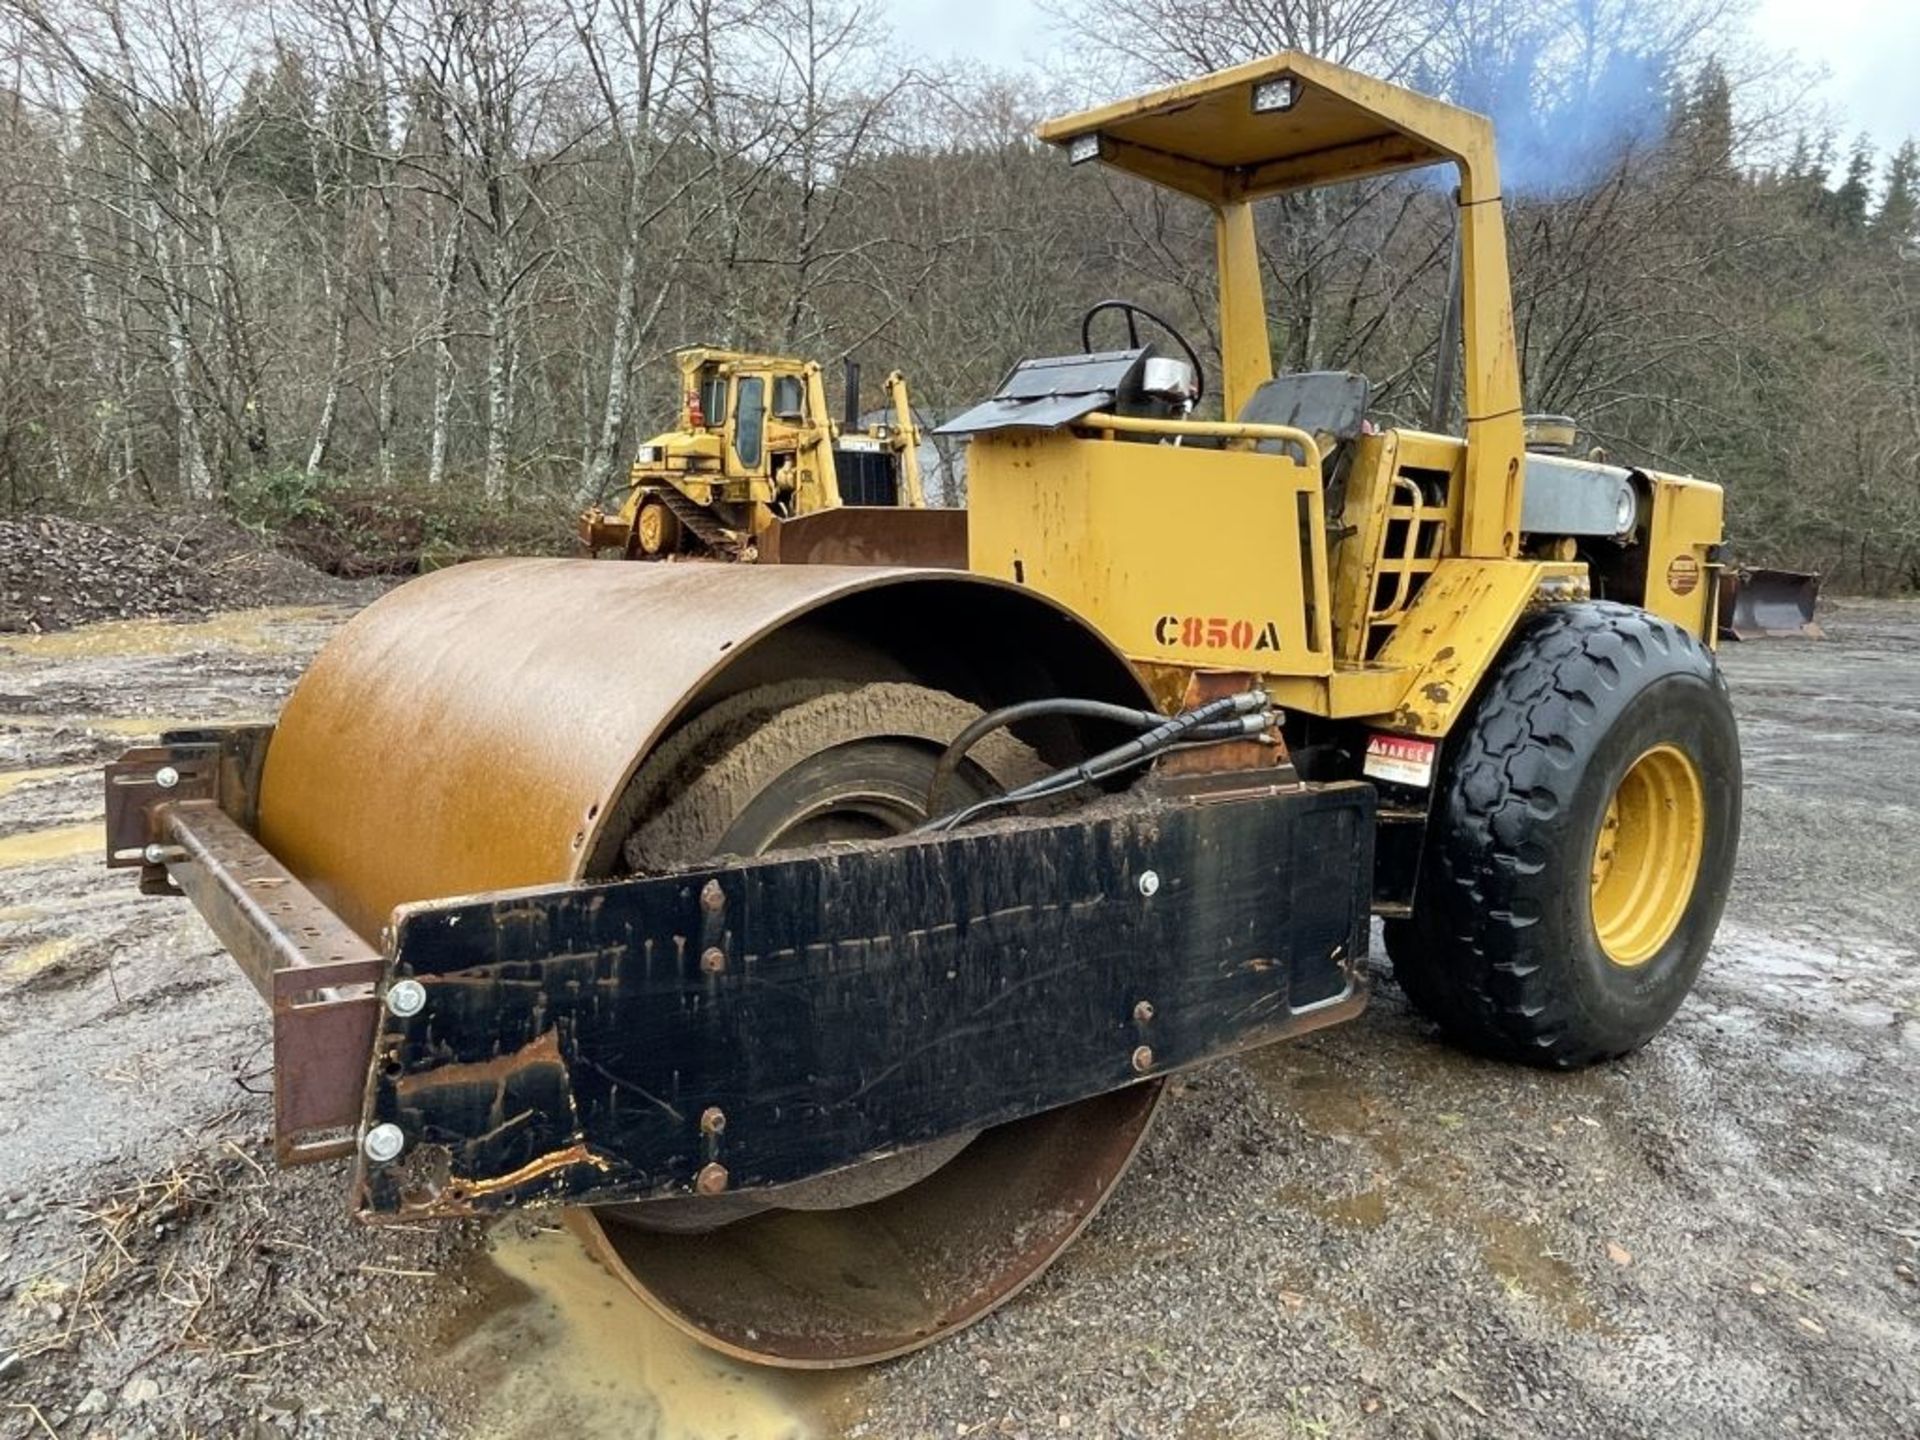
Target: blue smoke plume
pixel 1571 91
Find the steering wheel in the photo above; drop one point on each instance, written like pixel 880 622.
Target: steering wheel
pixel 1135 314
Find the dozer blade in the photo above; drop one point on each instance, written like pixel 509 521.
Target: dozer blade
pixel 869 535
pixel 1759 604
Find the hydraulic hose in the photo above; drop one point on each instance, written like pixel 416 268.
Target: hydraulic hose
pixel 1228 718
pixel 950 758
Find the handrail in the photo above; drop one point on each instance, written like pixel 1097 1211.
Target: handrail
pixel 1210 429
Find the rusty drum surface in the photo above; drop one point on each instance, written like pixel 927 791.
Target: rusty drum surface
pixel 467 731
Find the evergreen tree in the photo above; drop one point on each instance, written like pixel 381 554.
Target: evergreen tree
pixel 1900 206
pixel 1805 174
pixel 1849 203
pixel 1707 118
pixel 272 127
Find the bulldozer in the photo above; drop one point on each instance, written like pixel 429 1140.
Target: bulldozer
pixel 757 449
pixel 823 955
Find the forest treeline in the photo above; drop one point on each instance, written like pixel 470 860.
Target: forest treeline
pixel 260 256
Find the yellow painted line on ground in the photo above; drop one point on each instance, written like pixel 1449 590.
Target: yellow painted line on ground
pixel 132 727
pixel 61 905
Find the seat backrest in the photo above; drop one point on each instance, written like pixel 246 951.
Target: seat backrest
pixel 1328 404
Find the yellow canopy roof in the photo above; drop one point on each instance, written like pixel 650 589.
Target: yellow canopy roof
pixel 1236 135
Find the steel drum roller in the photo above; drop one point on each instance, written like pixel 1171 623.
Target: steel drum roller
pixel 488 726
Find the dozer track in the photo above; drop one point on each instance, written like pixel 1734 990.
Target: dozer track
pixel 701 523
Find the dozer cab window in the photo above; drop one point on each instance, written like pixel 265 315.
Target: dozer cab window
pixel 713 397
pixel 749 419
pixel 789 398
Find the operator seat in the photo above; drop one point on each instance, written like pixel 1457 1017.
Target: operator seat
pixel 1329 405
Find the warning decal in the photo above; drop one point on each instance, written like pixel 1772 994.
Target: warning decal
pixel 1402 759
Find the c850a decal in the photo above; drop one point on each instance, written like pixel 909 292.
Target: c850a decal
pixel 1216 632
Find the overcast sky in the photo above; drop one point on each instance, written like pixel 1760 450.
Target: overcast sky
pixel 1869 48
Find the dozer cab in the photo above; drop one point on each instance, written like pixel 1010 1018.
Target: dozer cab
pixel 756 449
pixel 823 953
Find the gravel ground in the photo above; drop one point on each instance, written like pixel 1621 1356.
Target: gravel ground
pixel 1361 1233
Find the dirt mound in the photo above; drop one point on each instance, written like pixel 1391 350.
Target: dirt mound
pixel 57 572
pixel 359 532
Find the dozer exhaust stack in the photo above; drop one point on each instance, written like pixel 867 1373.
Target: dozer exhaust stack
pixel 850 420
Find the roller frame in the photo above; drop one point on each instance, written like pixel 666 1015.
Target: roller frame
pixel 748 1023
pixel 194 837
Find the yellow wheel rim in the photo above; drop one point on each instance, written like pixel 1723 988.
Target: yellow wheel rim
pixel 1647 855
pixel 653 526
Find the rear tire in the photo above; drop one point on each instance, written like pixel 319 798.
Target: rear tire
pixel 1581 843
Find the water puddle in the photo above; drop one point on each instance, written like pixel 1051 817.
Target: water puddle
pixel 11 780
pixel 62 843
pixel 555 1345
pixel 234 630
pixel 1520 1255
pixel 1839 975
pixel 1365 1211
pixel 1327 1101
pixel 131 727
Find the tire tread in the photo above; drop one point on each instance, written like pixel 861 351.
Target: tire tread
pixel 1463 958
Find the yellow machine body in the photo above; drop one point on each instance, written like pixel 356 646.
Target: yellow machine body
pixel 1683 534
pixel 755 444
pixel 1198 545
pixel 1094 523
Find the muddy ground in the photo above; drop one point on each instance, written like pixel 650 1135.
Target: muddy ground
pixel 1360 1234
